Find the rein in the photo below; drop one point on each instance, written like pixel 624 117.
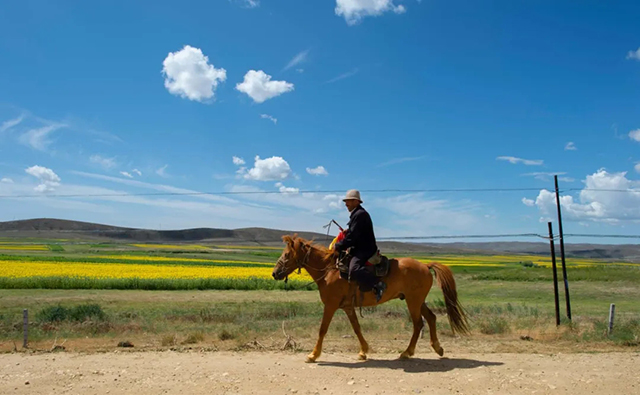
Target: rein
pixel 305 264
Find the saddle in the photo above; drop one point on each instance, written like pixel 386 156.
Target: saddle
pixel 378 265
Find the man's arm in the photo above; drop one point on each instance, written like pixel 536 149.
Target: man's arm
pixel 352 234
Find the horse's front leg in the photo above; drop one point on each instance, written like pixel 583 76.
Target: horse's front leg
pixel 353 318
pixel 329 310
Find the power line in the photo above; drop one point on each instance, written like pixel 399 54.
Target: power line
pixel 601 190
pixel 464 236
pixel 388 238
pixel 603 236
pixel 231 193
pixel 224 193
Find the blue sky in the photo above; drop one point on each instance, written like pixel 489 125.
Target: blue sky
pixel 145 97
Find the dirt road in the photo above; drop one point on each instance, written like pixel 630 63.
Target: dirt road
pixel 285 373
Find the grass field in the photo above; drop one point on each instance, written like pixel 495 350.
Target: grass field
pixel 214 296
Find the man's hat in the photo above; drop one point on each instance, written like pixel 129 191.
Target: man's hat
pixel 352 194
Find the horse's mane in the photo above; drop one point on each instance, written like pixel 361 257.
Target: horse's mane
pixel 324 252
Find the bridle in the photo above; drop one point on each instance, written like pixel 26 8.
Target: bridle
pixel 304 263
pixel 299 265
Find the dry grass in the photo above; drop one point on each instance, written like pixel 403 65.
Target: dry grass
pixel 194 338
pixel 169 340
pixel 226 335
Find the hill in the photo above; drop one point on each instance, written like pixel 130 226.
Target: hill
pixel 49 228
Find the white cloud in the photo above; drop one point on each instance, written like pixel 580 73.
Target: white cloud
pixel 514 160
pixel 248 3
pixel 6 125
pixel 543 176
pixel 188 74
pixel 528 202
pixel 38 138
pixel 634 54
pixel 299 58
pixel 134 171
pixel 238 161
pixel 48 179
pixel 570 146
pixel 286 190
pixel 415 214
pixel 258 85
pixel 142 184
pixel 107 163
pixel 354 11
pixel 270 169
pixel 300 71
pixel 343 76
pixel 269 117
pixel 190 211
pixel 317 171
pixel 335 201
pixel 7 180
pixel 400 160
pixel 305 202
pixel 289 210
pixel 637 167
pixel 635 135
pixel 607 197
pixel 162 171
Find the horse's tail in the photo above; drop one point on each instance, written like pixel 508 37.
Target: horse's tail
pixel 455 312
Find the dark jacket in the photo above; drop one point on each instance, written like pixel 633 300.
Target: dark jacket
pixel 360 235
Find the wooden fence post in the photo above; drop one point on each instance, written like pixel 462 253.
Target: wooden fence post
pixel 612 310
pixel 555 274
pixel 25 328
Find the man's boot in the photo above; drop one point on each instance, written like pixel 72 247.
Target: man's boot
pixel 379 289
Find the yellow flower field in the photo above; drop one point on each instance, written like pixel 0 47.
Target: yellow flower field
pixel 462 263
pixel 17 269
pixel 503 260
pixel 171 259
pixel 23 247
pixel 134 271
pixel 172 247
pixel 235 247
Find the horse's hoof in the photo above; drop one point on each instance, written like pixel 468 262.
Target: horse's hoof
pixel 362 357
pixel 405 355
pixel 311 359
pixel 440 351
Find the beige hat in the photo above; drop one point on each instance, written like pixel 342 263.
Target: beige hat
pixel 352 194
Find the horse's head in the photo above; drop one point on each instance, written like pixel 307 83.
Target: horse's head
pixel 292 257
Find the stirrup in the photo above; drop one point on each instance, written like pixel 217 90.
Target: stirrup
pixel 379 290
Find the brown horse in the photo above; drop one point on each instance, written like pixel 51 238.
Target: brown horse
pixel 407 279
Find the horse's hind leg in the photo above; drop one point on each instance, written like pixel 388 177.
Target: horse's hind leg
pixel 431 321
pixel 353 318
pixel 329 310
pixel 415 306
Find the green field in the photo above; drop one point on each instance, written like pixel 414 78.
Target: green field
pixel 214 296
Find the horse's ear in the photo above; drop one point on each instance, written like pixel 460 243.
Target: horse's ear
pixel 287 239
pixel 304 244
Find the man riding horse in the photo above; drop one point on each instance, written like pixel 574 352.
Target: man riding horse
pixel 360 238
